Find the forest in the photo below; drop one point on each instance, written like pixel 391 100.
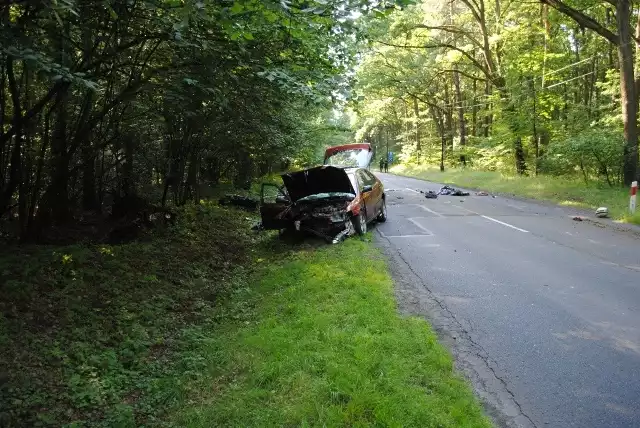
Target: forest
pixel 117 113
pixel 107 106
pixel 105 103
pixel 522 87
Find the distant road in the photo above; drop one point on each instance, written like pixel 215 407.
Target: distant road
pixel 541 311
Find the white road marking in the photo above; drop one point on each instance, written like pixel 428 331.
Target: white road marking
pixel 504 224
pixel 421 227
pixel 464 209
pixel 411 190
pixel 429 210
pixel 407 236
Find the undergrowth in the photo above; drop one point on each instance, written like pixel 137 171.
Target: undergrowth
pixel 89 333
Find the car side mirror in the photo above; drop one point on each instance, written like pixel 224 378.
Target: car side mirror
pixel 368 188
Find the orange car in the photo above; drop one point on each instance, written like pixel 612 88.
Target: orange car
pixel 329 201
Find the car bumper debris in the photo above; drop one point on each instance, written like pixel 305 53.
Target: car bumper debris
pixel 321 216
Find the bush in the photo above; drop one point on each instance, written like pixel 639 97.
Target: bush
pixel 594 152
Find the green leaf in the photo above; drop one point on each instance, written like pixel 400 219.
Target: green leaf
pixel 237 8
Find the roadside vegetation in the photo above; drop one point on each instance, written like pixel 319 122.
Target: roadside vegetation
pixel 568 192
pixel 531 98
pixel 207 323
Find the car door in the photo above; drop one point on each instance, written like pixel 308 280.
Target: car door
pixel 273 203
pixel 367 185
pixel 376 193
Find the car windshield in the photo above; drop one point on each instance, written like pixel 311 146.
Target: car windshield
pixel 357 158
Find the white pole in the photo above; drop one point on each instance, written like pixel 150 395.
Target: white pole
pixel 632 199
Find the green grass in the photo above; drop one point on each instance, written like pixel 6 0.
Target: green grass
pixel 562 190
pixel 324 346
pixel 210 324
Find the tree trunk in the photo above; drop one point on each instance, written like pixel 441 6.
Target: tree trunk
pixel 461 121
pixel 535 129
pixel 521 163
pixel 128 176
pixel 416 115
pixel 448 116
pixel 610 45
pixel 488 118
pixel 474 111
pixel 627 92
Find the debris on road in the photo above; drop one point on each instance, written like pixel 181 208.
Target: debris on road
pixel 430 194
pixel 578 218
pixel 482 193
pixel 602 212
pixel 447 190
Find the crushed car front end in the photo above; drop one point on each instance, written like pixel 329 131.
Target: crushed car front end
pixel 325 215
pixel 320 201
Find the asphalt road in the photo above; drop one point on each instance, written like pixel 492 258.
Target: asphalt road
pixel 541 312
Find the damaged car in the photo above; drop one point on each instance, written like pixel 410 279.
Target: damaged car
pixel 332 202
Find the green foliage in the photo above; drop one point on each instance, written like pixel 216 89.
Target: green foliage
pixel 543 93
pixel 318 342
pixel 597 152
pixel 105 99
pixel 102 335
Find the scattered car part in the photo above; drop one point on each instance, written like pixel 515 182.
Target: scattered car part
pixel 602 212
pixel 447 190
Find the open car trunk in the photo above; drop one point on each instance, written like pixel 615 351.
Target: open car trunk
pixel 315 200
pixel 350 155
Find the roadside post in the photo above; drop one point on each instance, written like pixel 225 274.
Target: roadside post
pixel 632 199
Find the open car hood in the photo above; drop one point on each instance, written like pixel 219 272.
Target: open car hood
pixel 322 179
pixel 352 155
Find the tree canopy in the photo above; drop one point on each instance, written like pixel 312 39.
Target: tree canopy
pixel 528 87
pixel 103 101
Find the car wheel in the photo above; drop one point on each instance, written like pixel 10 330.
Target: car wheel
pixel 382 215
pixel 360 223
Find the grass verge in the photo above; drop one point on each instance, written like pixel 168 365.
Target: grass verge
pixel 209 324
pixel 324 346
pixel 564 191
